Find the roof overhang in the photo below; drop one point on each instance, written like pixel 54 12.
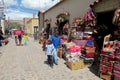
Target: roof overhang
pixel 105 5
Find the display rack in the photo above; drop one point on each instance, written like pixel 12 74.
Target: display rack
pixel 117 64
pixel 106 65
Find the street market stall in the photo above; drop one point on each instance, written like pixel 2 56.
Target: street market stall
pixel 80 47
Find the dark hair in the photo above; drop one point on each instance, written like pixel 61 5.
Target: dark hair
pixel 49 41
pixel 56 33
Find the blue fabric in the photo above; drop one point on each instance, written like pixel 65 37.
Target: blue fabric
pixel 0 43
pixel 82 57
pixel 56 41
pixel 89 42
pixel 55 57
pixel 25 42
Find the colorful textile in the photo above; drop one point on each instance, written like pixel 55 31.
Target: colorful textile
pixel 25 37
pixel 74 49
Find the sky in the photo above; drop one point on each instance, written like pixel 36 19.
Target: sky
pixel 19 9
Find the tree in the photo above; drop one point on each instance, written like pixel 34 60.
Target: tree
pixel 15 25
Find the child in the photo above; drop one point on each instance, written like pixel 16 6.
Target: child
pixel 44 41
pixel 50 50
pixel 25 38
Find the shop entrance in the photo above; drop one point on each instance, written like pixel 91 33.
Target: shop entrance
pixel 35 32
pixel 105 20
pixel 104 26
pixel 62 23
pixel 48 28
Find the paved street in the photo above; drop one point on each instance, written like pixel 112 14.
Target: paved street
pixel 28 63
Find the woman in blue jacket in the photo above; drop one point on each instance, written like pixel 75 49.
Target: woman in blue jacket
pixel 56 42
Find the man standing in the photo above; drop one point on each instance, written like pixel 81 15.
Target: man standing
pixel 56 42
pixel 1 33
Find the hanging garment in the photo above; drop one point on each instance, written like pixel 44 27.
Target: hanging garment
pixel 116 17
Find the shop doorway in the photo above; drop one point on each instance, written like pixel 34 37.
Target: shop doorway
pixel 35 32
pixel 105 18
pixel 63 23
pixel 104 26
pixel 48 28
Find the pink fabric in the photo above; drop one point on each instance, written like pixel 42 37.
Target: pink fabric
pixel 118 44
pixel 5 40
pixel 118 57
pixel 74 49
pixel 89 16
pixel 117 67
pixel 18 32
pixel 80 42
pixel 117 74
pixel 62 40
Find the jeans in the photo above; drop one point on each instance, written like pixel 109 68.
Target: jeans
pixel 55 56
pixel 25 42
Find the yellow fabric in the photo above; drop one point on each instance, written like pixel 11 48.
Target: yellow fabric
pixel 25 37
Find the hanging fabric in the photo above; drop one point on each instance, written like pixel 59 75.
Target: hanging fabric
pixel 90 18
pixel 116 17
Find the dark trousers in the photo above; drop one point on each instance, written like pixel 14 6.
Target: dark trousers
pixel 50 60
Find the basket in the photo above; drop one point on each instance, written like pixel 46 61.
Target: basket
pixel 75 65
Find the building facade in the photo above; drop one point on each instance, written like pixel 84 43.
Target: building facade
pixel 25 20
pixel 32 26
pixel 68 8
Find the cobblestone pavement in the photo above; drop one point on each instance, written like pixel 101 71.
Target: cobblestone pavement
pixel 28 63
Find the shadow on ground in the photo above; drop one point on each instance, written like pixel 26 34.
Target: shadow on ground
pixel 94 68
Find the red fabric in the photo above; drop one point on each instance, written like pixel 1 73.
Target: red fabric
pixel 18 32
pixel 103 69
pixel 5 40
pixel 111 56
pixel 74 49
pixel 110 69
pixel 89 55
pixel 62 40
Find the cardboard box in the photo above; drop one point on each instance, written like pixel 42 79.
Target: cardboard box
pixel 75 65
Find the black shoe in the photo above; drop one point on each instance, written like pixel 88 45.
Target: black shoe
pixel 51 66
pixel 56 63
